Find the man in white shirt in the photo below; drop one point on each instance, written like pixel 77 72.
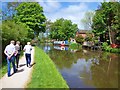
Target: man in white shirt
pixel 27 50
pixel 9 52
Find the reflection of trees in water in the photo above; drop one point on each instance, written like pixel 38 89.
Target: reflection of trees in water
pixel 106 73
pixel 103 71
pixel 62 58
pixel 67 58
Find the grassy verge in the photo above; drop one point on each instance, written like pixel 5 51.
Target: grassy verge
pixel 45 74
pixel 3 67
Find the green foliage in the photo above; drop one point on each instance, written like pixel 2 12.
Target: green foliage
pixel 31 13
pixel 63 29
pixel 115 50
pixel 75 46
pixel 106 21
pixel 13 31
pixel 106 47
pixel 79 39
pixel 89 37
pixel 45 74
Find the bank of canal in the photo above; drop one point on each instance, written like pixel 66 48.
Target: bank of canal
pixel 84 68
pixel 45 74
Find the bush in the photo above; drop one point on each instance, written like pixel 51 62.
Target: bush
pixel 115 50
pixel 73 45
pixel 108 48
pixel 79 39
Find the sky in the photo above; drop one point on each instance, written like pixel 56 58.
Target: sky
pixel 73 10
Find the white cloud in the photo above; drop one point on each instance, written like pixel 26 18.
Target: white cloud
pixel 74 12
pixel 50 6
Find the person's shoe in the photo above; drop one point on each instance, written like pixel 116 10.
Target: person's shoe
pixel 9 75
pixel 16 70
pixel 29 66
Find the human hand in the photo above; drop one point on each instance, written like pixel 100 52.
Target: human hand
pixel 9 57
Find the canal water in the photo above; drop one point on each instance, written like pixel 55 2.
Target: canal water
pixel 85 68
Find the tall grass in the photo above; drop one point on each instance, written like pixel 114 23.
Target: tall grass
pixel 45 74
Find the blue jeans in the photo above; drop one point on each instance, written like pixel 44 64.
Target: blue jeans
pixel 28 59
pixel 12 59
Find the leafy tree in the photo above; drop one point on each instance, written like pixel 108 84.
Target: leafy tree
pixel 79 39
pixel 63 29
pixel 47 28
pixel 106 22
pixel 31 13
pixel 87 20
pixel 89 37
pixel 13 31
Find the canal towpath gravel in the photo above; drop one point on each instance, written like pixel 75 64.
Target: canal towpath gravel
pixel 21 77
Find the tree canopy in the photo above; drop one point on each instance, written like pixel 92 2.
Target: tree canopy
pixel 31 13
pixel 106 22
pixel 63 29
pixel 13 31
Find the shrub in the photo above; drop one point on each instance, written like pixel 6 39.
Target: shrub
pixel 79 39
pixel 108 48
pixel 73 45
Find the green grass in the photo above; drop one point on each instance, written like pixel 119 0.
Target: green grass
pixel 45 74
pixel 3 67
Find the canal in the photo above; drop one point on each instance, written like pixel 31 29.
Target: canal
pixel 85 68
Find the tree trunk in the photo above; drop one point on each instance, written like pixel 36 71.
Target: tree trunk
pixel 110 37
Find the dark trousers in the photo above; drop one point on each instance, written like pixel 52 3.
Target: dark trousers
pixel 28 59
pixel 17 59
pixel 12 59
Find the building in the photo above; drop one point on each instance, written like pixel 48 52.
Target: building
pixel 83 33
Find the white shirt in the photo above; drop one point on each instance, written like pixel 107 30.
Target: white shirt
pixel 28 49
pixel 10 49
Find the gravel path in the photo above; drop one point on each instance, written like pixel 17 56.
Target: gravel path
pixel 19 79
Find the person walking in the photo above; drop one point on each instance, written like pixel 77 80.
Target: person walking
pixel 27 50
pixel 10 53
pixel 17 55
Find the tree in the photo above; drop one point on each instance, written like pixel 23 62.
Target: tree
pixel 87 20
pixel 13 31
pixel 79 39
pixel 63 29
pixel 106 22
pixel 48 24
pixel 31 13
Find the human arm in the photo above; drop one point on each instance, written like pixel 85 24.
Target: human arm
pixel 9 54
pixel 24 48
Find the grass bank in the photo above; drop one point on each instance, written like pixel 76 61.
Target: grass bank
pixel 45 74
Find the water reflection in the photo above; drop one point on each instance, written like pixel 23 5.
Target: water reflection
pixel 61 47
pixel 86 69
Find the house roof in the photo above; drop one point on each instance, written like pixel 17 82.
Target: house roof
pixel 84 31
